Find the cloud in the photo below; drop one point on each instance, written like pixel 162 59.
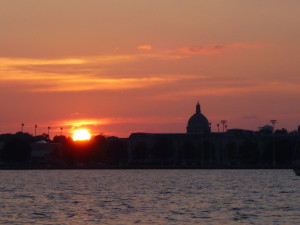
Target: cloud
pixel 84 75
pixel 84 83
pixel 231 88
pixel 206 50
pixel 84 122
pixel 12 62
pixel 108 72
pixel 81 74
pixel 89 122
pixel 144 47
pixel 213 49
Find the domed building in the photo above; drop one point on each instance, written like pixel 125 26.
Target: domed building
pixel 267 129
pixel 198 123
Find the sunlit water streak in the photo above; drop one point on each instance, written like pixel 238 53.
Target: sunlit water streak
pixel 149 197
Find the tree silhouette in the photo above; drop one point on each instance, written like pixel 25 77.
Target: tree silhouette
pixel 113 151
pixel 16 150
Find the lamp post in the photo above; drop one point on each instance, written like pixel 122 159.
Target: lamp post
pixel 22 127
pixel 223 122
pixel 273 123
pixel 218 127
pixel 61 130
pixel 35 127
pixel 49 132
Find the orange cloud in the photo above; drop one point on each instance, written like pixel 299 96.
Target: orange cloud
pixel 83 83
pixel 145 47
pixel 84 122
pixel 38 81
pixel 12 62
pixel 115 120
pixel 78 74
pixel 213 49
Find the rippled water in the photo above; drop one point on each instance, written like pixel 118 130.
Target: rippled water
pixel 149 197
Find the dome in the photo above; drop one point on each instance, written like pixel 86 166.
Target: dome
pixel 198 123
pixel 267 128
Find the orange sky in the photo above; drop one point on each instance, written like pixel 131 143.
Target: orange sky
pixel 118 67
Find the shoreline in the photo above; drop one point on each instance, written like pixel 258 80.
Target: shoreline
pixel 137 167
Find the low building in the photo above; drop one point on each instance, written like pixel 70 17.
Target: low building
pixel 45 153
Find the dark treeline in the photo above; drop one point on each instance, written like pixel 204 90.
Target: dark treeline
pixel 100 149
pixel 279 149
pixel 21 147
pixel 16 147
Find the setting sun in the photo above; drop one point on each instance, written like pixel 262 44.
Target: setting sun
pixel 81 135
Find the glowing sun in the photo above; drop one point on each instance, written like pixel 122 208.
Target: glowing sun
pixel 81 135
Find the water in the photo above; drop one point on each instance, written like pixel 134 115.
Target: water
pixel 149 197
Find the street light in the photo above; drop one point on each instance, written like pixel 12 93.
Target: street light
pixel 22 127
pixel 218 127
pixel 35 127
pixel 273 123
pixel 223 122
pixel 49 132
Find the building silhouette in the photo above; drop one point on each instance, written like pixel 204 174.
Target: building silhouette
pixel 198 123
pixel 198 147
pixel 201 147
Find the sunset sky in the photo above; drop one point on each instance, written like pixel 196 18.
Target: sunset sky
pixel 118 67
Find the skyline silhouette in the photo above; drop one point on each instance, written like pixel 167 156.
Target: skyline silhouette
pixel 141 65
pixel 197 123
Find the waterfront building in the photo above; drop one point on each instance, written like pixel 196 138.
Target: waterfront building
pixel 194 145
pixel 44 153
pixel 199 146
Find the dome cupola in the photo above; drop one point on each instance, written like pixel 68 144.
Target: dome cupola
pixel 198 123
